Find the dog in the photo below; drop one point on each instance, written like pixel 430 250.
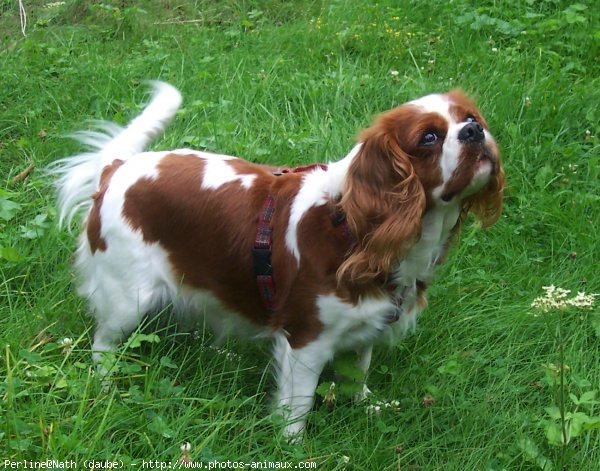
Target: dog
pixel 321 258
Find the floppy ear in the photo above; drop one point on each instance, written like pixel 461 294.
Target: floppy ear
pixel 486 205
pixel 383 201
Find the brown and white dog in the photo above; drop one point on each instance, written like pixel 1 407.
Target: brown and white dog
pixel 321 259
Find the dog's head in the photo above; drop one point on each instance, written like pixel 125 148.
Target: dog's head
pixel 433 152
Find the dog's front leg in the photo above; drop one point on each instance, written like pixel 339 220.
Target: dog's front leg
pixel 298 371
pixel 363 363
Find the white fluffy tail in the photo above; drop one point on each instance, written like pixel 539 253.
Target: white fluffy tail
pixel 80 174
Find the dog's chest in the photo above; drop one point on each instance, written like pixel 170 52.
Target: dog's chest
pixel 419 263
pixel 354 325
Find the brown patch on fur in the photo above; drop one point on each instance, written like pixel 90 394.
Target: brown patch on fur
pixel 209 235
pixel 486 204
pixel 202 229
pixel 323 249
pixel 462 106
pixel 243 167
pixel 93 224
pixel 464 172
pixel 424 159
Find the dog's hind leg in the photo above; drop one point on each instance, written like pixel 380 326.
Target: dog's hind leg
pixel 111 330
pixel 117 316
pixel 118 303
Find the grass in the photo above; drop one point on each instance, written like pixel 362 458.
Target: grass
pixel 486 383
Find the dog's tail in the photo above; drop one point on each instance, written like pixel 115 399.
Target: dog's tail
pixel 79 175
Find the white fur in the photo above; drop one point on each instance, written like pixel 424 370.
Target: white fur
pixel 297 372
pixel 80 174
pixel 434 103
pixel 318 187
pixel 450 153
pixel 421 258
pixel 312 193
pixel 337 171
pixel 132 278
pixel 218 172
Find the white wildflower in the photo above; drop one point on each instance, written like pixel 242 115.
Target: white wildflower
pixel 557 298
pixel 228 354
pixel 381 405
pixel 330 398
pixel 185 447
pixel 373 409
pixel 582 300
pixel 185 458
pixel 67 345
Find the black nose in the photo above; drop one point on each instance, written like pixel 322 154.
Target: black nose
pixel 472 132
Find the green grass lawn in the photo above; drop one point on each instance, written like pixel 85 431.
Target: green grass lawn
pixel 487 382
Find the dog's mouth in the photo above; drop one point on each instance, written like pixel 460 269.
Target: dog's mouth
pixel 471 177
pixel 486 155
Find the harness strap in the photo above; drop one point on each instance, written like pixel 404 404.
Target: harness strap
pixel 261 253
pixel 299 169
pixel 263 242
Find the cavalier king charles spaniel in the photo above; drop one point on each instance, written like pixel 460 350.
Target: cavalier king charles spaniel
pixel 321 258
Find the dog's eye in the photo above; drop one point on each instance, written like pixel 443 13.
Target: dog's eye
pixel 471 118
pixel 428 138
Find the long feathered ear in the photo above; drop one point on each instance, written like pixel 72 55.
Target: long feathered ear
pixel 486 205
pixel 384 203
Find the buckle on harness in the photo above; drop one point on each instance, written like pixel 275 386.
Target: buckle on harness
pixel 262 261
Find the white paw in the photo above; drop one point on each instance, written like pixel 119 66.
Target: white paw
pixel 104 362
pixel 293 433
pixel 361 396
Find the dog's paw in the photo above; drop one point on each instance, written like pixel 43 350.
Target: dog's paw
pixel 294 433
pixel 361 396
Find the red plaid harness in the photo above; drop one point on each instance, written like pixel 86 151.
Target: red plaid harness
pixel 261 254
pixel 263 242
